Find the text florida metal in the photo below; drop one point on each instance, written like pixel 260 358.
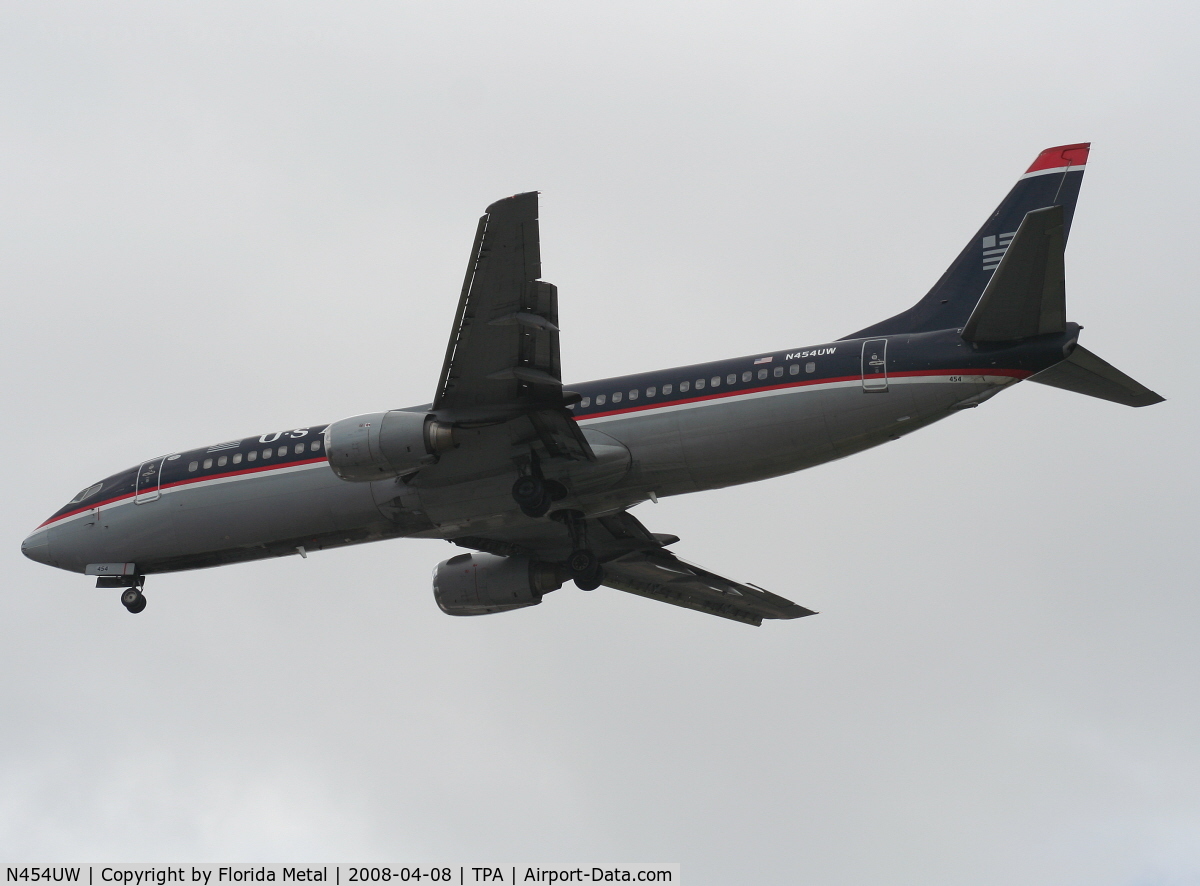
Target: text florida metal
pixel 536 480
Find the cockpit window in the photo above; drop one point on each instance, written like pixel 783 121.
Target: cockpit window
pixel 87 493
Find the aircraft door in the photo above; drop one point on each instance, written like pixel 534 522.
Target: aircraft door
pixel 874 365
pixel 149 476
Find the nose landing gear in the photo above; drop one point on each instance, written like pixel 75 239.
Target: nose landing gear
pixel 131 593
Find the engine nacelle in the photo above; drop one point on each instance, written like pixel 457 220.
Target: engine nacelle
pixel 479 584
pixel 385 444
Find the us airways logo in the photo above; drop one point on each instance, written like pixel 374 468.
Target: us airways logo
pixel 994 248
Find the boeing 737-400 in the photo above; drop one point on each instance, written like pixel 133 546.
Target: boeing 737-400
pixel 536 481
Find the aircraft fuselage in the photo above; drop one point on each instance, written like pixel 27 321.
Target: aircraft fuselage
pixel 655 434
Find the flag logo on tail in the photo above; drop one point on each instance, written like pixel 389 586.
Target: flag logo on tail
pixel 994 248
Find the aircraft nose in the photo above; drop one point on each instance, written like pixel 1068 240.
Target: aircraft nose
pixel 37 547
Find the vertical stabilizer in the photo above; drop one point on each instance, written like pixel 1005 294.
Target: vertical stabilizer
pixel 1052 180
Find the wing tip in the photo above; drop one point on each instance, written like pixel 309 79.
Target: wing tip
pixel 525 203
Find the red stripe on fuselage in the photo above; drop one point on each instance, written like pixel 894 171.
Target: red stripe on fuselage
pixel 1010 373
pixel 723 395
pixel 185 482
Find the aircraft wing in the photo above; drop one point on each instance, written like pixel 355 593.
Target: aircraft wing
pixel 660 575
pixel 502 360
pixel 636 561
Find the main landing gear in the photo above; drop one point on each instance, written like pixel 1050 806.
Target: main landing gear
pixel 581 565
pixel 535 495
pixel 585 569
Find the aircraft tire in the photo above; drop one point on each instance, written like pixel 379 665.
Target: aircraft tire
pixel 133 600
pixel 529 492
pixel 590 584
pixel 582 564
pixel 538 510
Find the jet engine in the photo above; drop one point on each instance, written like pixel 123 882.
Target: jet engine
pixel 385 444
pixel 479 584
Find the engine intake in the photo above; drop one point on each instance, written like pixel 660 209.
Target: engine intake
pixel 480 584
pixel 385 444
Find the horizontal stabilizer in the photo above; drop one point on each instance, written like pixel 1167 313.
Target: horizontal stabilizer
pixel 1085 373
pixel 1027 293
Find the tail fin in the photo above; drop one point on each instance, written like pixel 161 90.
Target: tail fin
pixel 1052 181
pixel 1085 373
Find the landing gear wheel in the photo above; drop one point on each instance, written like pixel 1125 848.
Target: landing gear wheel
pixel 528 492
pixel 532 496
pixel 133 600
pixel 590 584
pixel 582 564
pixel 539 511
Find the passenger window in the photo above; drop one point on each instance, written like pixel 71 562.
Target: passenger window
pixel 601 399
pixel 585 402
pixel 794 369
pixel 810 367
pixel 282 451
pixel 684 387
pixel 207 463
pixel 747 375
pixel 667 390
pixel 651 391
pixel 633 394
pixel 762 373
pixel 617 397
pixel 192 465
pixel 251 456
pixel 299 448
pixel 731 378
pixel 716 381
pixel 222 461
pixel 777 372
pixel 314 446
pixel 699 384
pixel 237 459
pixel 267 453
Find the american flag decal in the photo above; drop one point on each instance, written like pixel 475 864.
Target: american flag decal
pixel 994 248
pixel 763 360
pixel 232 444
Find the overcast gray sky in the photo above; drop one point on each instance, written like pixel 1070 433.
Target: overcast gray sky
pixel 221 219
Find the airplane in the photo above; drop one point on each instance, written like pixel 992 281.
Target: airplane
pixel 536 480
